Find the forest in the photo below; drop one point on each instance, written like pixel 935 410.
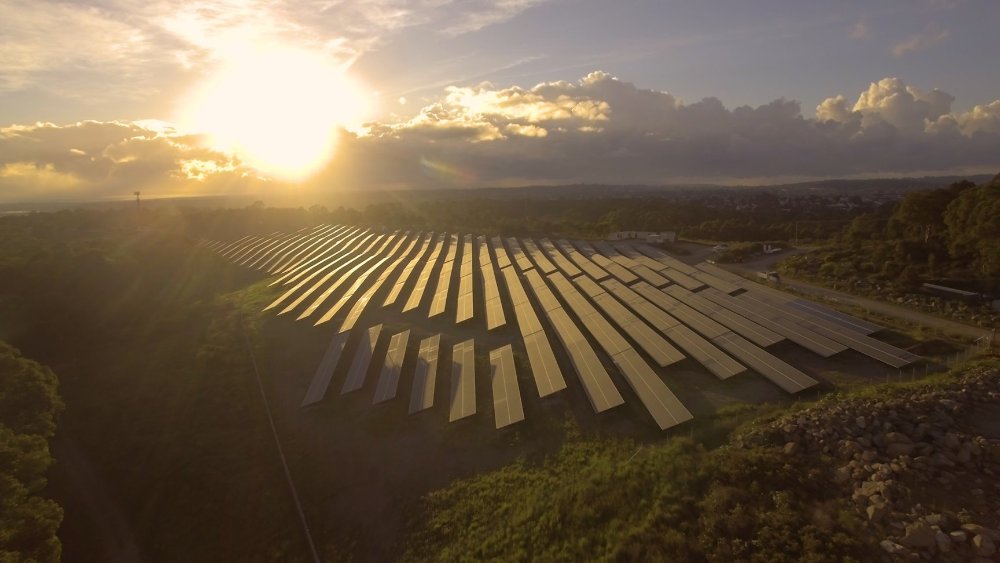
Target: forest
pixel 950 234
pixel 29 408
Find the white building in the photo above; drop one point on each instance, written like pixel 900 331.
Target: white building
pixel 646 236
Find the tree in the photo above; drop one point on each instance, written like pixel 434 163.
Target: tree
pixel 973 223
pixel 29 405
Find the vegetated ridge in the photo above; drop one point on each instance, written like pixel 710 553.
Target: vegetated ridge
pixel 892 471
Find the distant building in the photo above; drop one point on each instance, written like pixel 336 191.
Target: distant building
pixel 646 236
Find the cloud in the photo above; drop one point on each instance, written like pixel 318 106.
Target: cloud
pixel 37 51
pixel 102 159
pixel 861 30
pixel 598 129
pixel 906 108
pixel 920 42
pixel 601 129
pixel 120 50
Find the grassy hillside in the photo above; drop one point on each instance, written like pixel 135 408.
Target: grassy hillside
pixel 773 491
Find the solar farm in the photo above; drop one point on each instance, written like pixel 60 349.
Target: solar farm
pixel 552 314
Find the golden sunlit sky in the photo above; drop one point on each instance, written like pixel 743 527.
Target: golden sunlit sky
pixel 101 98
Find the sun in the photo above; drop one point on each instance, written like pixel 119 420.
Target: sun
pixel 278 109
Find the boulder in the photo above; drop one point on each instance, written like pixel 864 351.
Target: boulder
pixel 943 541
pixel 939 520
pixel 896 449
pixel 876 513
pixel 981 530
pixel 950 440
pixel 919 534
pixel 892 547
pixel 983 546
pixel 896 438
pixel 792 448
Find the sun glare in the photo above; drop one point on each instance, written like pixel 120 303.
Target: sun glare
pixel 280 110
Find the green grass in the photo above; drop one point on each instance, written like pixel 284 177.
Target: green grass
pixel 680 500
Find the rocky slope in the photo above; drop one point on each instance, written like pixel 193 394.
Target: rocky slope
pixel 920 464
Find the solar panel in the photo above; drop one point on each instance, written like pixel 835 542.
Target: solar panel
pixel 463 381
pixel 425 374
pixel 556 256
pixel 537 257
pixel 507 407
pixel 586 264
pixel 407 272
pixel 665 408
pixel 362 359
pixel 321 380
pixel 388 379
pixel 417 294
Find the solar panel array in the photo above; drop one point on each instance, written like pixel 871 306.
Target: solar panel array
pixel 599 313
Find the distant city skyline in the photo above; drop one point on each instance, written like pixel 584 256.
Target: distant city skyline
pixel 107 97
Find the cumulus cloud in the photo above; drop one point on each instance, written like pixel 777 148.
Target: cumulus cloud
pixel 598 129
pixel 891 101
pixel 101 159
pixel 601 129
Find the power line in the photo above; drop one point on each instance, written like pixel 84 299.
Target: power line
pixel 277 442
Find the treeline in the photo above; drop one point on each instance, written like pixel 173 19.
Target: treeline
pixel 707 219
pixel 29 406
pixel 952 232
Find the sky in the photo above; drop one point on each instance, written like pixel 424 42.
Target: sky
pixel 102 98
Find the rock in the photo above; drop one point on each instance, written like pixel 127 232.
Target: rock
pixel 842 474
pixel 983 546
pixel 876 513
pixel 918 534
pixel 943 541
pixel 896 449
pixel 791 448
pixel 936 520
pixel 981 530
pixel 958 536
pixel 953 405
pixel 869 455
pixel 860 422
pixel 942 461
pixel 892 547
pixel 867 489
pixel 896 438
pixel 951 441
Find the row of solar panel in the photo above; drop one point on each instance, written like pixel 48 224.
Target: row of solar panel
pixel 715 317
